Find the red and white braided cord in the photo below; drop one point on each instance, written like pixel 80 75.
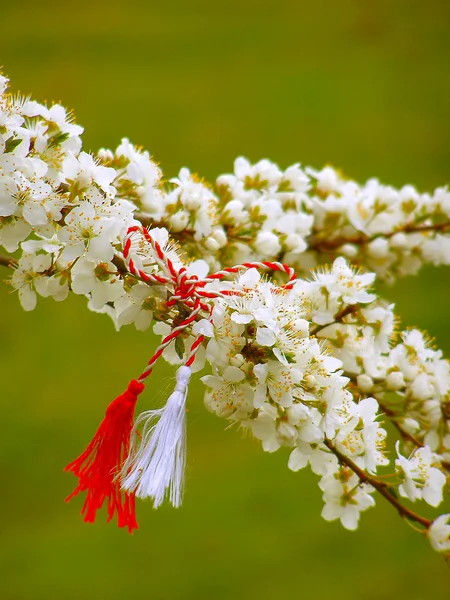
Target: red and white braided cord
pixel 187 290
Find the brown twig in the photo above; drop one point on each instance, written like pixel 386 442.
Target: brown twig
pixel 7 261
pixel 393 418
pixel 344 312
pixel 380 486
pixel 405 434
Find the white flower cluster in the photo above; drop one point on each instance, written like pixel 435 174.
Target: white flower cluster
pixel 410 379
pixel 392 232
pixel 303 216
pixel 312 366
pixel 79 207
pixel 274 375
pixel 186 206
pixel 52 189
pixel 266 209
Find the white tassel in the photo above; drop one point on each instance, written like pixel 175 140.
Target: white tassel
pixel 157 466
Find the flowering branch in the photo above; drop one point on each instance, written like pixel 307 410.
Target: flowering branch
pixel 381 487
pixel 324 245
pixel 394 420
pixel 301 362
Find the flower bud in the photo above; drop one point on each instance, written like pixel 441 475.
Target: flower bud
pixel 212 244
pixel 365 383
pixel 422 388
pixel 220 236
pixel 267 244
pixel 399 241
pixel 378 248
pixel 193 202
pixel 432 439
pixel 395 381
pixel 296 413
pixel 105 155
pixel 179 220
pixel 286 434
pixel 237 361
pixel 348 250
pixel 410 425
pixel 294 243
pixel 309 381
pixel 83 180
pixel 234 211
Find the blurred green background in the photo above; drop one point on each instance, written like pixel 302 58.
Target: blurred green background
pixel 361 85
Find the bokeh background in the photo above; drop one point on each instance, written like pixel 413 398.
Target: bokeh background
pixel 363 86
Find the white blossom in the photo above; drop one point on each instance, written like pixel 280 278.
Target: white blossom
pixel 439 534
pixel 419 478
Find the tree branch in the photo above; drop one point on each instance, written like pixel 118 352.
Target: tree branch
pixel 380 486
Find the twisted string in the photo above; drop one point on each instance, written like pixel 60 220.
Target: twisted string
pixel 187 290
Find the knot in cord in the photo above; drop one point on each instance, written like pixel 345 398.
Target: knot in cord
pixel 185 286
pixel 189 290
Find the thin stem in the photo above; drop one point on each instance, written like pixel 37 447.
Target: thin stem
pixel 344 312
pixel 380 486
pixel 120 265
pixel 405 434
pixel 393 417
pixel 7 261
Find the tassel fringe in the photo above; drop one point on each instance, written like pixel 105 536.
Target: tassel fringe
pixel 157 465
pixel 97 467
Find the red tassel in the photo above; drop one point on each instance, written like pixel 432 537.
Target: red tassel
pixel 98 466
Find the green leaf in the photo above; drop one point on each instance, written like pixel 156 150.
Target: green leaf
pixel 57 139
pixel 179 347
pixel 11 144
